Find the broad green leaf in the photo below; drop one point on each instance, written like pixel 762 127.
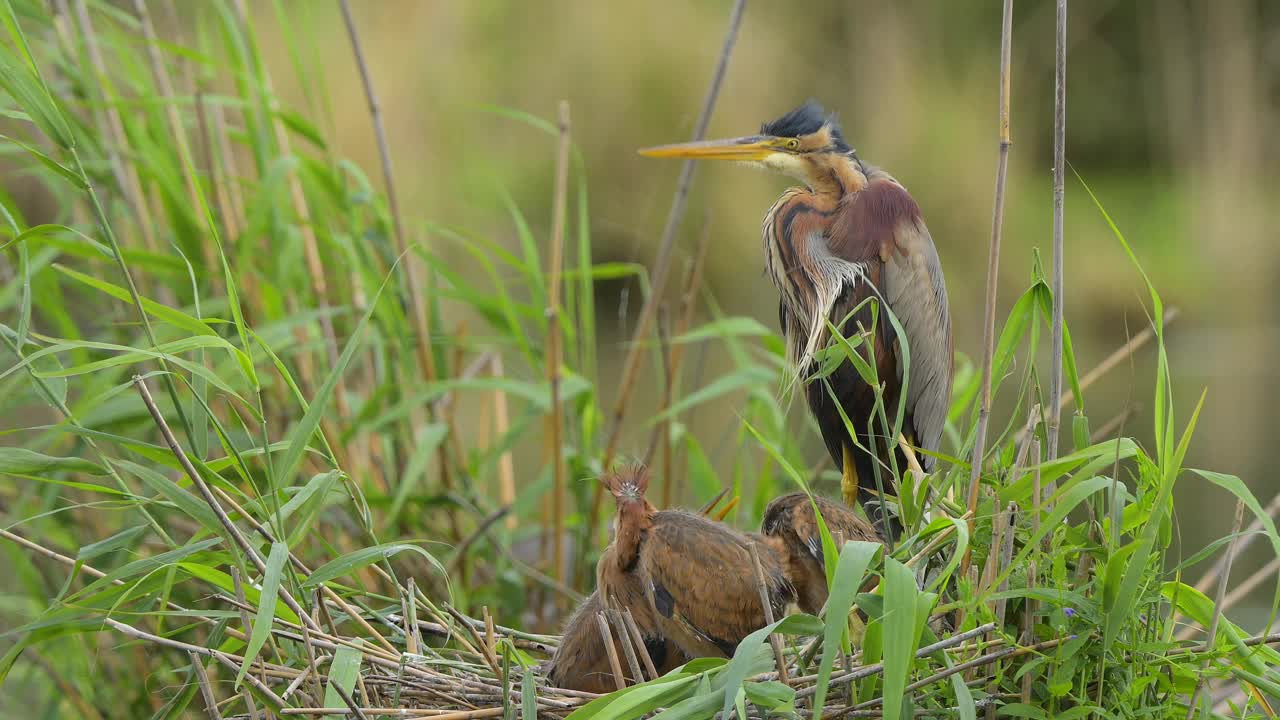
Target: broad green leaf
pixel 851 569
pixel 1120 613
pixel 752 655
pixel 638 700
pixel 266 614
pixel 305 506
pixel 901 634
pixel 122 539
pixel 528 697
pixel 343 672
pixel 189 504
pixel 725 327
pixel 176 318
pixel 352 561
pixel 72 176
pixel 750 376
pixel 770 694
pixel 224 582
pixel 20 461
pixel 145 565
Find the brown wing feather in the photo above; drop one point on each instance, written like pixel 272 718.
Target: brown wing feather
pixel 882 226
pixel 702 583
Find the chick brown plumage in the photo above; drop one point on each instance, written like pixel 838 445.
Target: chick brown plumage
pixel 581 662
pixel 792 530
pixel 696 575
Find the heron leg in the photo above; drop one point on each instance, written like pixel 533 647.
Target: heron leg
pixel 849 479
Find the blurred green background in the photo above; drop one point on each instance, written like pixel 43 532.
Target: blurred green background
pixel 1173 109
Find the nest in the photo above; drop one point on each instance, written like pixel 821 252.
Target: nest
pixel 431 660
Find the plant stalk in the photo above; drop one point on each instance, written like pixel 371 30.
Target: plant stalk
pixel 554 341
pixel 1059 192
pixel 631 365
pixel 993 271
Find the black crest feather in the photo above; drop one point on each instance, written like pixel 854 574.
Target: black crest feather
pixel 805 120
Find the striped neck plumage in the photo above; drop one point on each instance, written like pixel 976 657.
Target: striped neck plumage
pixel 808 277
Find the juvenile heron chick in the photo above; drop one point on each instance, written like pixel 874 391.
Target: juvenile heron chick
pixel 849 234
pixel 581 662
pixel 697 575
pixel 790 525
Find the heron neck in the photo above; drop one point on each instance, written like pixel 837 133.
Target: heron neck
pixel 634 518
pixel 832 176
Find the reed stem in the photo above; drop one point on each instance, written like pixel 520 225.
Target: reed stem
pixel 993 272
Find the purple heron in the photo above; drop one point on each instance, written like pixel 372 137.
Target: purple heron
pixel 851 233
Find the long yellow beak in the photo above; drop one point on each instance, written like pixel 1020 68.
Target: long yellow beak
pixel 751 147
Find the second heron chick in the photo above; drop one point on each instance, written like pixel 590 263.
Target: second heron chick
pixel 791 528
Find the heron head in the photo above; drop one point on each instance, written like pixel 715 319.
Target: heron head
pixel 797 144
pixel 628 484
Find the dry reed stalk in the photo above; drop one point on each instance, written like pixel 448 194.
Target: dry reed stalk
pixel 124 172
pixel 1059 193
pixel 501 426
pixel 637 639
pixel 673 352
pixel 987 659
pixel 416 302
pixel 877 668
pixel 218 206
pixel 412 272
pixel 1266 572
pixel 410 632
pixel 1028 613
pixel 1005 558
pixel 349 701
pixel 164 84
pixel 312 657
pixel 1217 604
pixel 555 449
pixel 993 271
pixel 485 652
pixel 226 659
pixel 1250 534
pixel 688 306
pixel 658 281
pixel 611 651
pixel 227 178
pixel 207 495
pixel 991 569
pixel 774 639
pixel 624 639
pixel 111 128
pixel 655 437
pixel 327 592
pixel 311 254
pixel 490 639
pixel 206 691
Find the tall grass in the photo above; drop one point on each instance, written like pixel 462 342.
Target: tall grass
pixel 241 426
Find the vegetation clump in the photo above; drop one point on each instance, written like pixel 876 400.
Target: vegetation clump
pixel 253 467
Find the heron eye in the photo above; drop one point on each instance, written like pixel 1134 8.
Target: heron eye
pixel 792 144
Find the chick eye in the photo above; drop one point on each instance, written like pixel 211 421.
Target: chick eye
pixel 792 144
